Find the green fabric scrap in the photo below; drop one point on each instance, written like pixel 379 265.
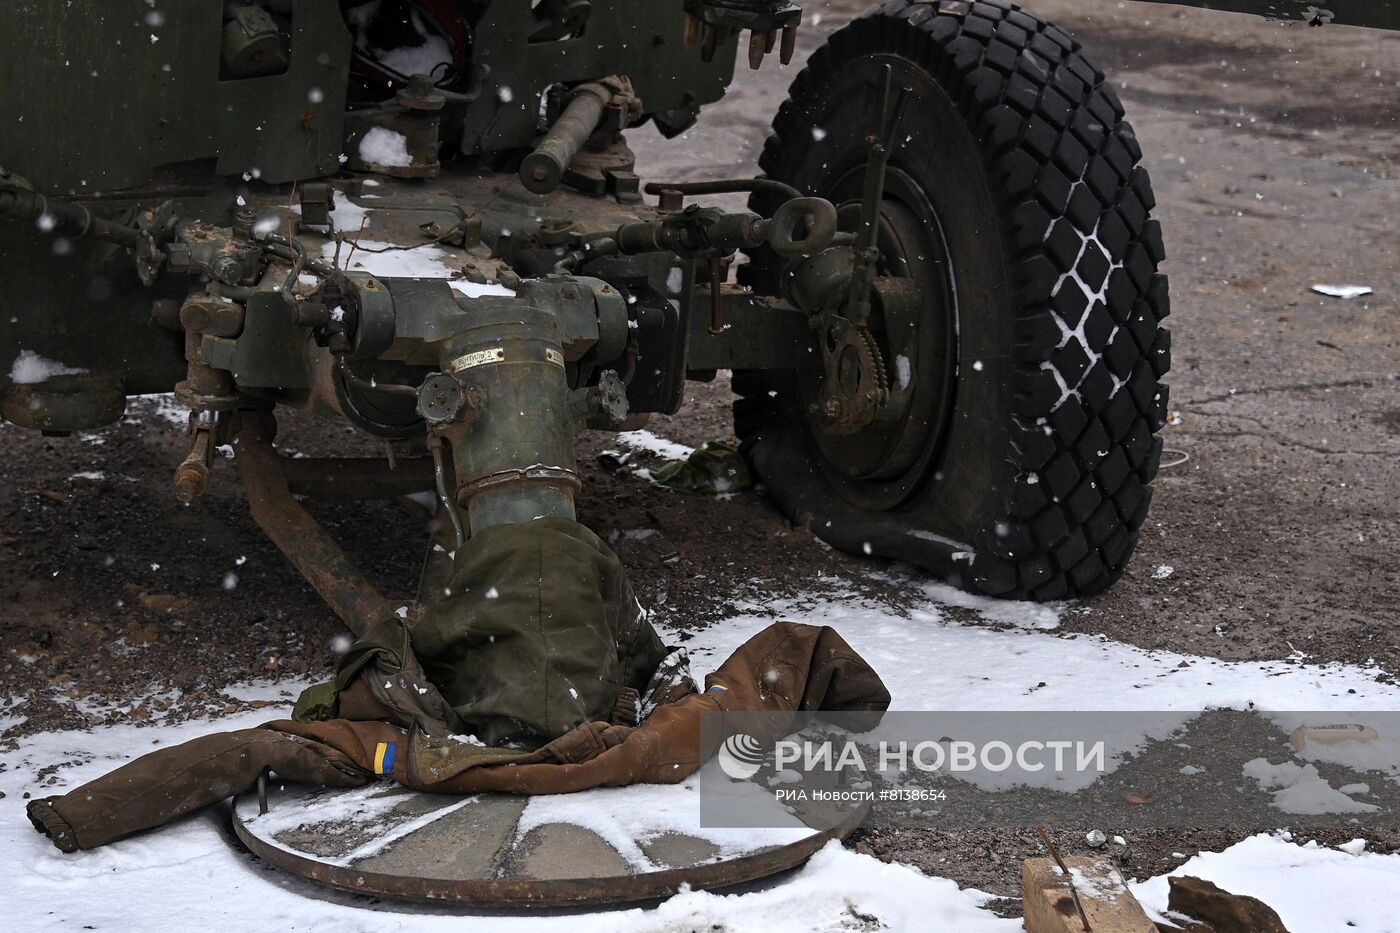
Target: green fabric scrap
pixel 715 467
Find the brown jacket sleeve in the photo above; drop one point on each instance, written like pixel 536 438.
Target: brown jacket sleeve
pixel 784 669
pixel 169 783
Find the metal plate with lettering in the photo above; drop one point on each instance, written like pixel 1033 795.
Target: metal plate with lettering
pixel 479 358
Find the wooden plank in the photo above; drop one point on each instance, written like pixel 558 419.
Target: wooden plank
pixel 1108 904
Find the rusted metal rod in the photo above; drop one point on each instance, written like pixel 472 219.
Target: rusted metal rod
pixel 1069 878
pixel 299 536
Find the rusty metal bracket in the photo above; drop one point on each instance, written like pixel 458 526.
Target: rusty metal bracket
pixel 299 536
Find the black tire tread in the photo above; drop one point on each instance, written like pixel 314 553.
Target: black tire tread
pixel 1063 164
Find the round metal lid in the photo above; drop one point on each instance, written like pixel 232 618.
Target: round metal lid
pixel 601 847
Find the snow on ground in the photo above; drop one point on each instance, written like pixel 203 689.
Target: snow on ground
pixel 932 663
pixel 1313 889
pixel 390 260
pixel 1300 789
pixel 654 444
pixel 162 405
pixel 190 875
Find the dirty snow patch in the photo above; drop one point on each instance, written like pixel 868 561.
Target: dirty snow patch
pixel 420 262
pixel 929 661
pixel 625 816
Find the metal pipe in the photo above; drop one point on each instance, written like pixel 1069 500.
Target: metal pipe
pixel 63 217
pixel 293 251
pixel 728 186
pixel 514 458
pixel 543 170
pixel 440 475
pixel 364 385
pixel 1375 14
pixel 299 536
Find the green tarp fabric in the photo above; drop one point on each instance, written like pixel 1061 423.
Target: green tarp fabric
pixel 540 632
pixel 716 467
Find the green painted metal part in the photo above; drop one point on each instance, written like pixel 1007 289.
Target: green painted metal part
pixel 98 93
pixel 1376 14
pixel 643 39
pixel 121 106
pixel 515 456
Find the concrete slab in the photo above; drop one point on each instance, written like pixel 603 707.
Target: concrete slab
pixel 470 842
pixel 679 850
pixel 562 850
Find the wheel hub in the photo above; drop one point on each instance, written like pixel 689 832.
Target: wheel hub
pixel 903 366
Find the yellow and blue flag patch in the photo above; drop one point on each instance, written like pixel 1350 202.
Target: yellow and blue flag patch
pixel 384 757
